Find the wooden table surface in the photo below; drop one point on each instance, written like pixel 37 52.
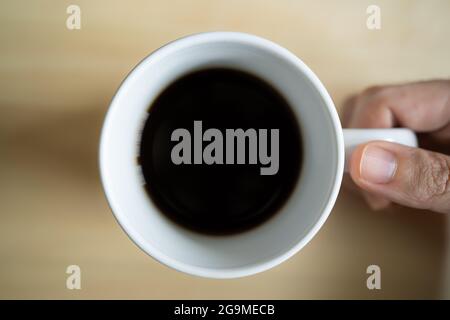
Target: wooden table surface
pixel 55 86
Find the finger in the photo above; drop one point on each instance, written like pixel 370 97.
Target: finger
pixel 410 176
pixel 421 106
pixel 374 201
pixel 348 183
pixel 348 110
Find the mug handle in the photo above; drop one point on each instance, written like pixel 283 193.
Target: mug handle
pixel 354 137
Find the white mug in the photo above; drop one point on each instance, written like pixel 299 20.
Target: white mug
pixel 325 144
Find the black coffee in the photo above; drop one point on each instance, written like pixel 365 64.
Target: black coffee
pixel 224 180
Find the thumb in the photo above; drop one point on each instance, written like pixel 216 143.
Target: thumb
pixel 410 176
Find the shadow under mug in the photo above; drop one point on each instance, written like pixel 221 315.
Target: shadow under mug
pixel 325 145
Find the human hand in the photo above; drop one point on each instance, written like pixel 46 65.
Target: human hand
pixel 389 172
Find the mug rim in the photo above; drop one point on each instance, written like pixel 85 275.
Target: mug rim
pixel 240 271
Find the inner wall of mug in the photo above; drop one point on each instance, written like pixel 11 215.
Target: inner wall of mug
pixel 263 246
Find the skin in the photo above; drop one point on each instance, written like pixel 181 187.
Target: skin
pixel 422 175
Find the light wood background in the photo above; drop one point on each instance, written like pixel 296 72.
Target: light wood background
pixel 55 86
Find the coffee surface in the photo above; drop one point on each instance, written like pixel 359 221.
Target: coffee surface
pixel 219 198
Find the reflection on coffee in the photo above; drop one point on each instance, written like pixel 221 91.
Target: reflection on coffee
pixel 220 151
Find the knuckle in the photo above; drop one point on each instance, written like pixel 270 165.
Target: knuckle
pixel 431 177
pixel 377 102
pixel 376 112
pixel 373 108
pixel 376 97
pixel 372 90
